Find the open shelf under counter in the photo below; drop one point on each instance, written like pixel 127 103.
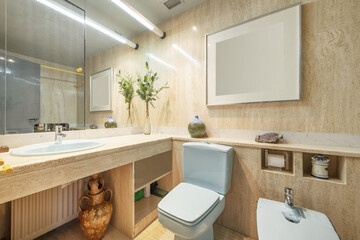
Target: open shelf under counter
pixel 145 212
pixel 149 170
pixel 153 180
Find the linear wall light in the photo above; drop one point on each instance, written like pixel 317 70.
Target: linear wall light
pixel 61 9
pixel 139 17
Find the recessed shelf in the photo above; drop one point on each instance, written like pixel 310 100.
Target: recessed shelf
pixel 287 161
pixel 336 168
pixel 329 180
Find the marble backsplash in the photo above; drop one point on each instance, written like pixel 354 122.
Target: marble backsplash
pixel 19 140
pixel 326 139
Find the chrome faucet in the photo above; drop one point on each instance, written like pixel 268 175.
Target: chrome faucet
pixel 289 198
pixel 59 134
pixel 291 214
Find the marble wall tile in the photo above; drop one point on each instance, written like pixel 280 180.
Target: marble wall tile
pixel 330 94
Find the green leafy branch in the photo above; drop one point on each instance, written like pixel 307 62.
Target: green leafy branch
pixel 146 84
pixel 126 85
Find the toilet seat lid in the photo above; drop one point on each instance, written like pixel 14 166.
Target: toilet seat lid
pixel 188 203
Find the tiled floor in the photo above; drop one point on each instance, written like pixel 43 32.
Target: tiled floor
pixel 155 231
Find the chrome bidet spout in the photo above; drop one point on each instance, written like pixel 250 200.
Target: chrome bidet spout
pixel 289 198
pixel 291 212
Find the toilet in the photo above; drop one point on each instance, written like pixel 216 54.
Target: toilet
pixel 192 207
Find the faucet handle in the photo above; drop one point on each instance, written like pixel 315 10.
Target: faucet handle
pixel 288 191
pixel 58 129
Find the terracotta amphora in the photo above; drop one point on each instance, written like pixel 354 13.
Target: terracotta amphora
pixel 96 214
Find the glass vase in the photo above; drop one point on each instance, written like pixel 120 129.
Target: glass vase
pixel 129 120
pixel 147 127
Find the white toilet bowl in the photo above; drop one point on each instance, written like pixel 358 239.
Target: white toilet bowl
pixel 201 212
pixel 191 208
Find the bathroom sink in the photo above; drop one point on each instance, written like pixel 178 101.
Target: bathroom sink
pixel 272 225
pixel 49 148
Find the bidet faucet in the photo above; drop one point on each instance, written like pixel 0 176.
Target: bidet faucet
pixel 289 198
pixel 291 214
pixel 59 134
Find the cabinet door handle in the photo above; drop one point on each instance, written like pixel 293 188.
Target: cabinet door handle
pixel 33 119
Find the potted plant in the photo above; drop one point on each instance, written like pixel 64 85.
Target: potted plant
pixel 148 92
pixel 126 86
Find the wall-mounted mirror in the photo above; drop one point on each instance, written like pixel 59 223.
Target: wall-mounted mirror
pixel 256 61
pixel 41 66
pixel 48 81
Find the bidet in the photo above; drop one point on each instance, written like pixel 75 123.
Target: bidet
pixel 272 225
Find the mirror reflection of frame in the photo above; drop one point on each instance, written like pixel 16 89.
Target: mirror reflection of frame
pixel 256 61
pixel 101 90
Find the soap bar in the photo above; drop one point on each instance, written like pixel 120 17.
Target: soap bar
pixel 275 160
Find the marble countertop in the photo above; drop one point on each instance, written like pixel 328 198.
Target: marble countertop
pixel 112 145
pixel 35 174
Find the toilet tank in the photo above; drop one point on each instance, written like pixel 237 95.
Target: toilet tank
pixel 208 165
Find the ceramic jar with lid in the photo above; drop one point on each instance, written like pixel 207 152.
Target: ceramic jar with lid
pixel 320 166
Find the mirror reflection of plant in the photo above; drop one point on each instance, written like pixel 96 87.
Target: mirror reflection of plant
pixel 126 86
pixel 147 90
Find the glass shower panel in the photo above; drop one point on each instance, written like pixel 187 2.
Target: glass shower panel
pixel 45 41
pixel 2 66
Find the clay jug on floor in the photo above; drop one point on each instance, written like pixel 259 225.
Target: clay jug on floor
pixel 96 214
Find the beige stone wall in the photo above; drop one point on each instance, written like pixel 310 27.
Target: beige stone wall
pixel 330 72
pixel 129 61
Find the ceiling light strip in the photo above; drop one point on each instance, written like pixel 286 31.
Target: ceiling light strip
pixel 139 17
pixel 91 23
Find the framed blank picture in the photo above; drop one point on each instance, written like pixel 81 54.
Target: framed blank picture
pixel 256 61
pixel 101 90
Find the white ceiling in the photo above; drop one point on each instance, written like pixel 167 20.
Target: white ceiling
pixel 38 31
